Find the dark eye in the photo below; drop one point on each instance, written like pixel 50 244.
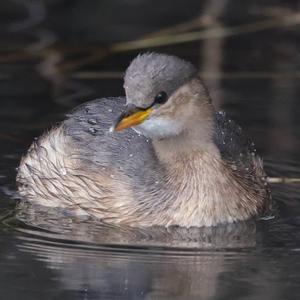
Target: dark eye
pixel 161 98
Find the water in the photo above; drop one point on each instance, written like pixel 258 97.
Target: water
pixel 253 76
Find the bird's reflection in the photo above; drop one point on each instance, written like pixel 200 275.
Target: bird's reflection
pixel 103 261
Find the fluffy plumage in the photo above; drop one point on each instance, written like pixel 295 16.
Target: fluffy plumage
pixel 204 174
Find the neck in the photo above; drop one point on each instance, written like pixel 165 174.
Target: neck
pixel 183 147
pixel 197 136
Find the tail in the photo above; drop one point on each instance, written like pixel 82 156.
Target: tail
pixel 43 167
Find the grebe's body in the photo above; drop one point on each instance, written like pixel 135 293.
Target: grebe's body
pixel 184 164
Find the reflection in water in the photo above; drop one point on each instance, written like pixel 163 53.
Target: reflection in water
pixel 109 274
pixel 107 260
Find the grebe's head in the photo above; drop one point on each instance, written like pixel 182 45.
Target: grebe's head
pixel 163 95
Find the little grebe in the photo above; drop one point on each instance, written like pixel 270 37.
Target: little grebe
pixel 177 163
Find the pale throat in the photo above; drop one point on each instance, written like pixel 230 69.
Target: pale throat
pixel 193 142
pixel 196 119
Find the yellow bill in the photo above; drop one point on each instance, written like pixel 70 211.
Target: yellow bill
pixel 133 120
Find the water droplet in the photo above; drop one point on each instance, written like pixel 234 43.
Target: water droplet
pixel 156 182
pixel 224 143
pixel 109 110
pixel 267 218
pixel 130 155
pixel 247 169
pixel 222 132
pixel 229 121
pixel 112 176
pixel 252 153
pixel 92 121
pixel 252 144
pixel 63 171
pixel 147 141
pixel 92 130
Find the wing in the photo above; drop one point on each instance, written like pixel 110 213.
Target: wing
pixel 233 145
